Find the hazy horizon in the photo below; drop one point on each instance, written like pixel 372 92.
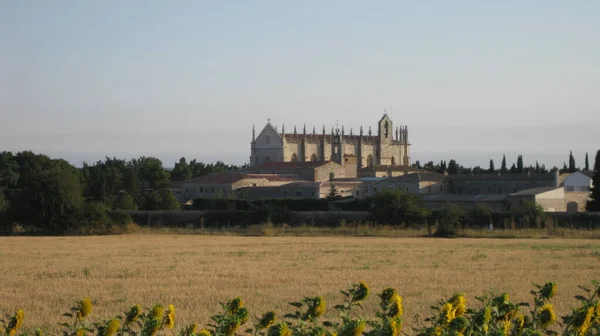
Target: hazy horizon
pixel 472 80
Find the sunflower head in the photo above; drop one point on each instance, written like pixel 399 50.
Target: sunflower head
pixel 395 309
pixel 133 313
pixel 360 292
pixel 112 327
pixel 204 332
pixel 386 297
pixel 546 315
pixel 84 308
pixel 157 311
pixel 280 329
pixel 316 307
pixel 234 305
pixel 266 321
pixel 548 291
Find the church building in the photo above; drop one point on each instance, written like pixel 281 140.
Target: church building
pixel 389 147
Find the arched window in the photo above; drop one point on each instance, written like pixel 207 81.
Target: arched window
pixel 314 157
pixel 393 161
pixel 370 160
pixel 386 129
pixel 294 158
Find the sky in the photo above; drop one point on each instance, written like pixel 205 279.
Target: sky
pixel 472 80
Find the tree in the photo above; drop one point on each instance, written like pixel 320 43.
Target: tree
pixel 503 168
pixel 182 171
pixel 538 169
pixel 587 162
pixel 572 167
pixel 492 168
pixel 594 203
pixel 333 192
pixel 520 166
pixel 124 201
pixel 513 168
pixel 395 206
pixel 49 199
pixel 452 167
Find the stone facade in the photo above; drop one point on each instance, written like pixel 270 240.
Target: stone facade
pixel 498 183
pixel 310 171
pixel 389 147
pixel 551 199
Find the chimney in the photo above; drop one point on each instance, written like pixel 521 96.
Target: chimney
pixel 555 178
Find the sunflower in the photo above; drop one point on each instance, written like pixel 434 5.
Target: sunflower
pixel 81 332
pixel 170 317
pixel 15 322
pixel 133 313
pixel 546 315
pixel 586 322
pixel 204 332
pixel 353 328
pixel 266 321
pixel 360 292
pixel 234 305
pixel 157 311
pixel 506 325
pixel 280 329
pixel 459 305
pixel 386 297
pixel 548 291
pixel 112 327
pixel 316 307
pixel 447 312
pixel 395 308
pixel 84 309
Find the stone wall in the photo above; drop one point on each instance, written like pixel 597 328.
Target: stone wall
pixel 580 198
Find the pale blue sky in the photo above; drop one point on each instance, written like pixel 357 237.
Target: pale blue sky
pixel 471 79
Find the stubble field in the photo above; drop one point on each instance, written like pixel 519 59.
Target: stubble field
pixel 45 275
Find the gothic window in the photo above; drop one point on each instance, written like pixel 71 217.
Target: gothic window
pixel 370 161
pixel 314 157
pixel 386 128
pixel 294 158
pixel 393 161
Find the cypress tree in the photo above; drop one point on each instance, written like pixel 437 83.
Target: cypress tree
pixel 492 168
pixel 503 168
pixel 538 169
pixel 572 167
pixel 587 162
pixel 594 204
pixel 520 168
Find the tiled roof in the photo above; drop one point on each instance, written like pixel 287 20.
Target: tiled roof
pixel 228 178
pixel 417 177
pixel 462 198
pixel 534 191
pixel 498 176
pixel 392 168
pixel 288 165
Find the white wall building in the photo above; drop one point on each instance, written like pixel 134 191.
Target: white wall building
pixel 579 181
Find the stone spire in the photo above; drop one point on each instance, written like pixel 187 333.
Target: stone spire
pixel 361 131
pixel 323 129
pixel 370 133
pixel 283 129
pixel 253 134
pixel 314 130
pixel 342 130
pixel 350 130
pixel 304 129
pixel 295 130
pixel 397 134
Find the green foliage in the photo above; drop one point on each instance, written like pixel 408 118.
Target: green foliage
pixel 124 201
pixel 520 165
pixel 587 162
pixel 572 167
pixel 395 207
pixel 528 212
pixel 450 219
pixel 333 192
pixel 49 199
pixel 503 168
pixel 160 200
pixel 594 204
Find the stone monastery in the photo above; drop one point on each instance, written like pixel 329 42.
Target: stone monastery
pixel 389 147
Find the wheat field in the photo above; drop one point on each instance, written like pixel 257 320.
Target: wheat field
pixel 44 275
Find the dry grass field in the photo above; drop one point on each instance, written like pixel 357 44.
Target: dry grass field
pixel 45 275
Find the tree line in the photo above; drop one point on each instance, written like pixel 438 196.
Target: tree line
pixel 53 196
pixel 453 167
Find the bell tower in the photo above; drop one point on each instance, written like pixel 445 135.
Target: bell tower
pixel 336 147
pixel 385 148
